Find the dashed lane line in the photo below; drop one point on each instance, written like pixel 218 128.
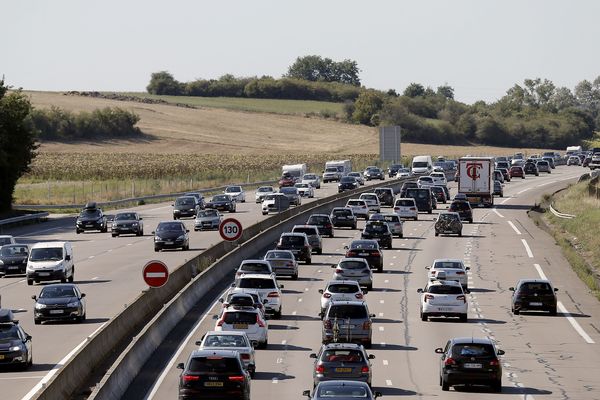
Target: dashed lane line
pixel 527 249
pixel 518 232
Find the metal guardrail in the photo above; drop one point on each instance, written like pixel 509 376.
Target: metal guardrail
pixel 559 214
pixel 24 218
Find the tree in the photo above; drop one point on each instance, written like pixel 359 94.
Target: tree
pixel 318 69
pixel 414 90
pixel 366 106
pixel 17 142
pixel 446 91
pixel 162 82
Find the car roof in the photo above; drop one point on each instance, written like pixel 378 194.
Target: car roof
pixel 444 282
pixel 220 353
pixel 343 383
pixel 534 281
pixel 449 213
pixel 343 281
pixel 353 346
pixel 359 259
pixel 467 340
pixel 46 245
pixel 447 259
pixel 256 276
pixel 306 226
pixel 231 333
pixel 293 234
pixel 370 241
pixel 348 302
pixel 255 260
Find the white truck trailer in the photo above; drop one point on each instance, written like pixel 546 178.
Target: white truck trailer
pixel 336 170
pixel 476 180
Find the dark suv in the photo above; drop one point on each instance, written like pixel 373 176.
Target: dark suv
pixel 342 216
pixel 423 197
pixel 406 186
pixel 386 196
pixel 463 208
pixel 348 322
pixel 380 231
pixel 470 361
pixel 298 244
pixel 214 374
pixel 13 259
pixel 323 222
pixel 533 294
pixel 91 218
pixel 15 343
pixel 347 183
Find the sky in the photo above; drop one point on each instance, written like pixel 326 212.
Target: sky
pixel 479 47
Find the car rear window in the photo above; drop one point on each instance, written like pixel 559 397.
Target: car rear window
pixel 256 283
pixel 363 246
pixel 254 267
pixel 376 228
pixel 356 203
pixel 369 196
pixel 418 193
pixel 317 220
pixel 342 356
pixel 405 203
pixel 352 265
pixel 215 364
pixel 447 264
pixel 239 317
pixel 342 391
pixel 472 350
pixel 459 205
pixel 308 231
pixel 292 240
pixel 535 287
pixel 339 213
pixel 342 288
pixel 225 341
pixel 347 311
pixel 279 254
pixel 444 289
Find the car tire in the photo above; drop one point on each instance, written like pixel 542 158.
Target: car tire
pixel 277 315
pixel 497 386
pixel 471 220
pixel 295 276
pixel 460 234
pixel 331 236
pixel 424 317
pixel 401 235
pixel 63 279
pixel 77 231
pixel 156 249
pixel 370 286
pixel 319 251
pixel 445 385
pixel 516 312
pixel 264 213
pixel 463 318
pixel 354 226
pixel 72 277
pixel 552 311
pixel 416 218
pixel 37 321
pixel 437 234
pixel 369 344
pixel 308 261
pixel 29 282
pixel 252 371
pixel 380 270
pixel 429 211
pixel 523 177
pixel 114 234
pixel 140 233
pixel 389 246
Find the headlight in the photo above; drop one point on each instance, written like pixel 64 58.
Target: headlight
pixel 15 348
pixel 73 304
pixel 135 224
pixel 2 262
pixel 192 209
pixel 182 237
pixel 39 306
pixel 157 238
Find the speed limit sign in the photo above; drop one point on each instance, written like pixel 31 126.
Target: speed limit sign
pixel 230 229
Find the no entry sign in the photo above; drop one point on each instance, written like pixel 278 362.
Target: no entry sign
pixel 230 229
pixel 155 273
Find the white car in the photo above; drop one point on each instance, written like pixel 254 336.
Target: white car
pixel 305 190
pixel 439 178
pixel 268 288
pixel 394 222
pixel 403 173
pixel 425 182
pixel 358 176
pixel 443 298
pixel 248 320
pixel 7 239
pixel 236 193
pixel 372 201
pixel 312 179
pixel 260 267
pixel 574 160
pixel 406 208
pixel 231 340
pixel 261 192
pixel 453 269
pixel 340 291
pixel 359 208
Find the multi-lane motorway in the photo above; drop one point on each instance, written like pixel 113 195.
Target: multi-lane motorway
pixel 547 357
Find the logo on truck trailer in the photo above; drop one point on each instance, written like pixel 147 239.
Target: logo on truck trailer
pixel 473 170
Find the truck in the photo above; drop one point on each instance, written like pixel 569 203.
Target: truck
pixel 573 150
pixel 476 180
pixel 296 171
pixel 336 170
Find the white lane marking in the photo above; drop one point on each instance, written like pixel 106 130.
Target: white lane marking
pixel 319 271
pixel 294 312
pixel 388 382
pixel 540 271
pixel 544 184
pixel 275 380
pixel 284 342
pixel 279 360
pixel 382 344
pixel 157 209
pixel 43 230
pixel 505 200
pixel 169 367
pixel 527 249
pixel 514 227
pixel 381 329
pixel 381 314
pixel 306 289
pixel 300 300
pixel 523 191
pixel 574 323
pixel 386 281
pixel 385 362
pixel 21 377
pixel 381 301
pixel 497 213
pixel 90 257
pixel 95 278
pixel 57 367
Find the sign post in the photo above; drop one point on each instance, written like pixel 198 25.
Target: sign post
pixel 155 273
pixel 230 229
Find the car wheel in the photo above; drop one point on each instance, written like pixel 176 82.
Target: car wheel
pixel 389 246
pixel 471 220
pixel 370 286
pixel 553 311
pixel 423 317
pixel 437 234
pixel 380 270
pixel 114 235
pixel 295 276
pixel 416 218
pixel 354 226
pixel 72 277
pixel 369 344
pixel 445 385
pixel 264 213
pixel 516 312
pixel 497 386
pixel 401 235
pixel 460 233
pixel 63 279
pixel 308 261
pixel 156 249
pixel 277 315
pixel 429 211
pixel 29 282
pixel 522 177
pixel 463 318
pixel 319 251
pixel 252 370
pixel 37 321
pixel 77 231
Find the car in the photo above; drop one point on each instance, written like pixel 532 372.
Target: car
pixel 457 176
pixel 127 222
pixel 439 194
pixel 323 223
pixel 15 344
pixel 298 244
pixel 222 202
pixel 275 202
pixel 550 161
pixel 531 169
pixel 394 222
pixel 367 249
pixel 7 239
pixel 236 192
pixel 233 341
pixel 347 361
pixel 13 259
pixel 533 294
pixel 588 160
pixel 293 194
pixel 207 220
pixel 343 217
pixel 544 166
pixel 347 183
pixel 261 192
pixel 342 390
pixel 379 231
pixel 340 290
pixel 505 174
pixel 214 374
pixel 247 319
pixel 358 176
pixel 249 266
pixel 267 287
pixel 372 201
pixel 463 208
pixel 359 207
pixel 573 160
pixel 283 263
pixel 406 208
pixel 470 361
pixel 386 196
pixel 355 269
pixel 442 298
pixel 305 190
pixel 498 176
pixel 59 302
pixel 406 186
pixel 347 322
pixel 185 206
pixel 516 171
pixel 91 218
pixel 199 199
pixel 393 169
pixel 312 179
pixel 448 223
pixel 314 238
pixel 50 261
pixel 244 298
pixel 502 164
pixel 425 181
pixel 403 173
pixel 498 189
pixel 439 178
pixel 171 235
pixel 453 270
pixel 423 198
pixel 373 173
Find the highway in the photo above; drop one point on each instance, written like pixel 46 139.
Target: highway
pixel 108 270
pixel 546 357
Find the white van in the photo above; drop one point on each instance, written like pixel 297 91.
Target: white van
pixel 422 165
pixel 336 170
pixel 50 261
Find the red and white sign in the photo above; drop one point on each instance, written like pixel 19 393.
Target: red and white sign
pixel 155 273
pixel 230 229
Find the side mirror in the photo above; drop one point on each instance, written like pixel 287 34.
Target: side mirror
pixel 82 295
pixel 141 218
pixel 233 285
pixel 371 356
pixel 501 352
pixel 372 315
pixel 34 297
pixel 265 301
pixel 321 314
pixel 467 268
pixel 333 266
pixel 281 286
pixel 512 289
pixel 28 337
pixel 439 350
pixel 365 291
pixel 180 366
pixel 306 393
pixel 377 394
pixel 428 267
pixel 198 342
pixel 153 232
pixel 312 355
pixel 556 289
pixel 187 230
pixel 419 290
pixel 467 291
pixel 215 316
pixel 321 291
pixel 172 205
pixel 221 300
pixel 345 247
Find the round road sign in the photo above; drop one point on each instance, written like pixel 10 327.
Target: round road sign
pixel 155 273
pixel 230 229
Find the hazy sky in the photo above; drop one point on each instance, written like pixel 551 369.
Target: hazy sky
pixel 480 47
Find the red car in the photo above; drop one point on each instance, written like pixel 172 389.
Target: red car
pixel 286 181
pixel 515 170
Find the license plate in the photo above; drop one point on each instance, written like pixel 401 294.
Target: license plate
pixel 13 267
pixel 346 326
pixel 168 242
pixel 442 309
pixel 213 384
pixel 535 304
pixel 363 254
pixel 240 326
pixel 89 225
pixel 345 370
pixel 472 365
pixel 44 273
pixel 341 218
pixel 57 311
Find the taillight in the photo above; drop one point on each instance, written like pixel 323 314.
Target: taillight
pixel 375 254
pixel 273 294
pixel 259 321
pixel 320 369
pixel 396 208
pixel 495 362
pixel 236 378
pixel 432 272
pixel 220 322
pixel 358 295
pixel 190 378
pixel 459 273
pixel 290 264
pixel 429 297
pixel 339 270
pixel 366 325
pixel 413 209
pixel 327 324
pixel 351 254
pixel 449 361
pixel 245 356
pixel 326 295
pixel 364 369
pixel 461 297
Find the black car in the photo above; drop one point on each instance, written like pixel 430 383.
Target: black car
pixel 380 231
pixel 533 294
pixel 127 222
pixel 423 198
pixel 199 199
pixel 463 208
pixel 386 196
pixel 341 390
pixel 367 249
pixel 439 194
pixel 342 216
pixel 185 206
pixel 470 361
pixel 374 173
pixel 214 374
pixel 15 343
pixel 531 169
pixel 323 223
pixel 13 259
pixel 91 218
pixel 222 202
pixel 62 301
pixel 347 183
pixel 298 244
pixel 171 235
pixel 406 186
pixel 393 169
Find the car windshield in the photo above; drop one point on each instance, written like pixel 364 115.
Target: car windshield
pixel 288 190
pixel 342 288
pixel 225 341
pixel 46 254
pixel 170 227
pixel 331 169
pixel 255 267
pixel 294 240
pixel 125 217
pixel 239 317
pixel 264 189
pixel 213 364
pixel 447 265
pixel 354 174
pixel 308 231
pixel 185 201
pixel 233 189
pixel 420 164
pixel 437 189
pixel 90 213
pixel 351 311
pixel 256 283
pixel 13 251
pixel 340 355
pixel 348 179
pixel 376 228
pixel 272 255
pixel 352 265
pixel 345 392
pixel 301 185
pixel 309 177
pixel 444 289
pixel 208 213
pixel 8 331
pixel 472 350
pixel 363 245
pixel 54 292
pixel 369 197
pixel 271 197
pixel 535 287
pixel 221 197
pixel 405 203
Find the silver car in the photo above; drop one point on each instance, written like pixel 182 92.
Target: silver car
pixel 355 269
pixel 312 179
pixel 283 263
pixel 346 361
pixel 261 192
pixel 208 219
pixel 358 176
pixel 292 194
pixel 340 290
pixel 312 232
pixel 237 341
